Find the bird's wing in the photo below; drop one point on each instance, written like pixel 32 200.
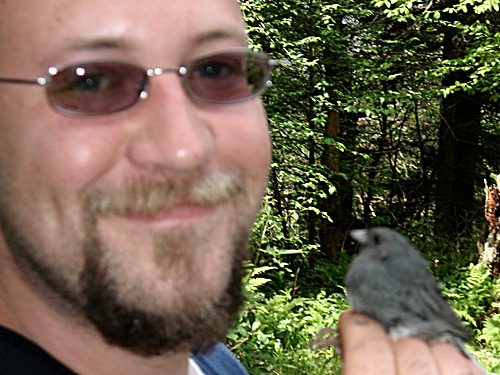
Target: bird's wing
pixel 425 302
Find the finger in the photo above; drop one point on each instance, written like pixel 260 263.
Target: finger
pixel 451 361
pixel 414 356
pixel 366 347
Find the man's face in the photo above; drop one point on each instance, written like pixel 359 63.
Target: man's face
pixel 137 220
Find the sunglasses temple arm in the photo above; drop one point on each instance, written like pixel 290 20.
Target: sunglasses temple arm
pixel 39 81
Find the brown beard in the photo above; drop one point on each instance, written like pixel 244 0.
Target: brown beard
pixel 197 327
pixel 195 324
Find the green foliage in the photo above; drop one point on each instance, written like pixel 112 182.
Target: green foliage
pixel 274 331
pixel 475 296
pixel 470 292
pixel 355 114
pixel 490 337
pixel 380 66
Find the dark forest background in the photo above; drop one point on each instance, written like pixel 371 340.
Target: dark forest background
pixel 383 112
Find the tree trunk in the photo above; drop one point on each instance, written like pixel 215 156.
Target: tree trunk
pixel 489 251
pixel 338 204
pixel 458 154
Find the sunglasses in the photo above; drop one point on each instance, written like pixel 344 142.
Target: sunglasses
pixel 104 87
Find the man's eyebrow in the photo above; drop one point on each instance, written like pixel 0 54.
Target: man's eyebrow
pixel 112 43
pixel 220 34
pixel 98 44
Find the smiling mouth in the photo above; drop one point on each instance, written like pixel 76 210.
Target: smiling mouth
pixel 184 212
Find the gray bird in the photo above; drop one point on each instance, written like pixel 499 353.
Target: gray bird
pixel 389 281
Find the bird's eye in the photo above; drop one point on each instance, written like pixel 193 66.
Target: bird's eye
pixel 377 239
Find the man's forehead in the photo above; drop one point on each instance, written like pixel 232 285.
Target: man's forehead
pixel 91 24
pixel 54 13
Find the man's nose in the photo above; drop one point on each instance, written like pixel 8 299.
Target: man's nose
pixel 171 132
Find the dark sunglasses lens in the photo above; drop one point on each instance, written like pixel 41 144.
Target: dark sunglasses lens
pixel 229 77
pixel 96 88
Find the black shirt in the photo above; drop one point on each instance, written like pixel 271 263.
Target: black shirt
pixel 20 356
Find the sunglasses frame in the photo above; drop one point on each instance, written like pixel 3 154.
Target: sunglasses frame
pixel 182 71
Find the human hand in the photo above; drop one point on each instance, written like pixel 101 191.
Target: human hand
pixel 367 349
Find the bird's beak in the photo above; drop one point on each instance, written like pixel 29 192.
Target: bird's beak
pixel 360 235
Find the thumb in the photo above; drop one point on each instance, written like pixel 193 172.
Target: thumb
pixel 366 347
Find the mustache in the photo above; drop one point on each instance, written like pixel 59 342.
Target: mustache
pixel 152 195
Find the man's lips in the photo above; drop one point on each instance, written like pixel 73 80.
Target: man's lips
pixel 183 212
